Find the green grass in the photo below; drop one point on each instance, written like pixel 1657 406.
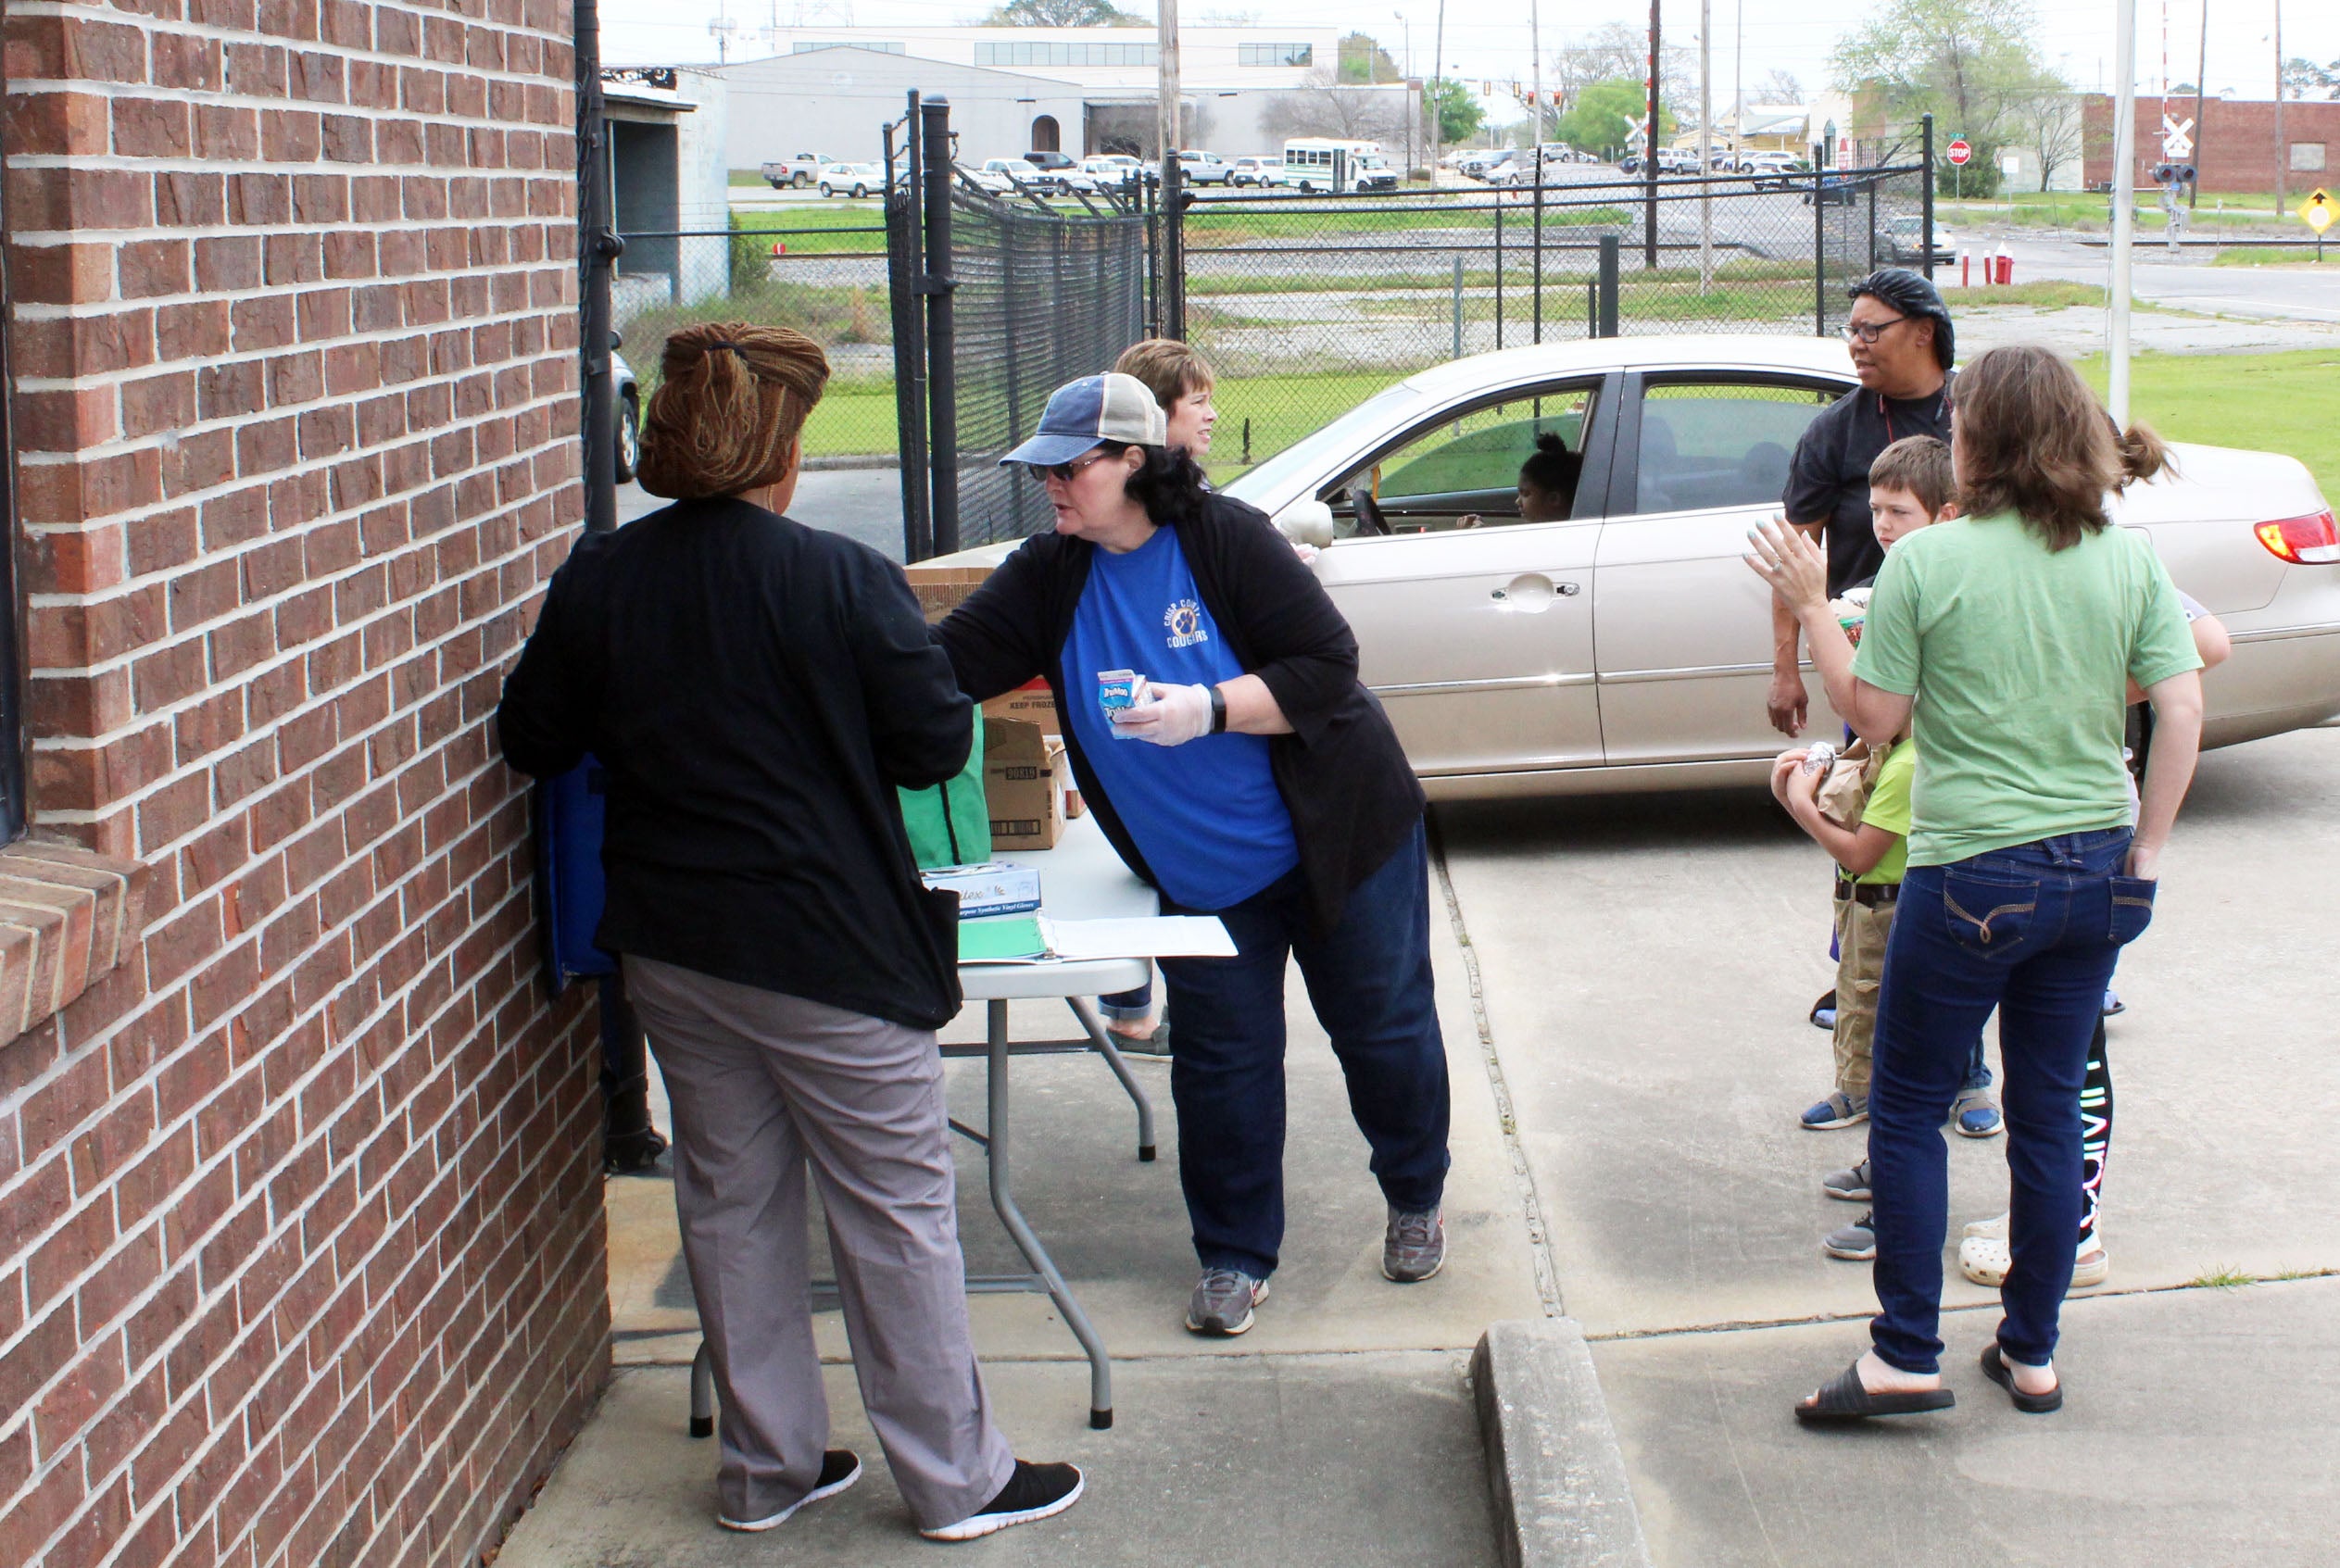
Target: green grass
pixel 2286 403
pixel 2050 293
pixel 2222 1279
pixel 2080 209
pixel 793 219
pixel 1231 225
pixel 2270 256
pixel 1281 409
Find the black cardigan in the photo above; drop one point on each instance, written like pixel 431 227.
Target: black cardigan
pixel 1344 778
pixel 755 690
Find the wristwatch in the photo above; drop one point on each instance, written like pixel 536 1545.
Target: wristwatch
pixel 1218 711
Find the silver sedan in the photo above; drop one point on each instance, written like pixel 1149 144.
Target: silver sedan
pixel 1626 646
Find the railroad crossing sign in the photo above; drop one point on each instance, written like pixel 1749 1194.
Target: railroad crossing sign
pixel 2177 139
pixel 2319 211
pixel 1959 151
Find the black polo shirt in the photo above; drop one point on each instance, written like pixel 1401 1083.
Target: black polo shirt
pixel 1828 478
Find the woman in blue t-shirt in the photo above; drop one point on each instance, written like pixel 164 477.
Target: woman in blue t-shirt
pixel 1255 779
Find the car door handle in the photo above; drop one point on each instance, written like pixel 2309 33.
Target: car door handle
pixel 1533 592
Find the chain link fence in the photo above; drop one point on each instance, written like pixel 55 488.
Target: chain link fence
pixel 822 273
pixel 1307 304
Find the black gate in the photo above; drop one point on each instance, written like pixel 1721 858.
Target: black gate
pixel 996 301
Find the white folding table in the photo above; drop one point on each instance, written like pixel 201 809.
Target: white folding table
pixel 1080 879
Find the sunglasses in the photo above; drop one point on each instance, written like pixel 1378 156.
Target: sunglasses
pixel 1870 332
pixel 1065 471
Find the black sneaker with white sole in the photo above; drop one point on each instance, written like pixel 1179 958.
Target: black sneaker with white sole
pixel 839 1469
pixel 1035 1491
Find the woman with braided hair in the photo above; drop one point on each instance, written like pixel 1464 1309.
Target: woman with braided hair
pixel 756 691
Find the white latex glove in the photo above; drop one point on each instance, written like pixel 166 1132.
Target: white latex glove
pixel 1308 553
pixel 1174 716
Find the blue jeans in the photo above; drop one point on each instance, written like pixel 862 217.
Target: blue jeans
pixel 2032 931
pixel 1369 981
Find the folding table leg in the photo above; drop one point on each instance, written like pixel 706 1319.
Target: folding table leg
pixel 1101 1373
pixel 1102 1038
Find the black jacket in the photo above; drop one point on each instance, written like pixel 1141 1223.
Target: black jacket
pixel 755 690
pixel 1352 793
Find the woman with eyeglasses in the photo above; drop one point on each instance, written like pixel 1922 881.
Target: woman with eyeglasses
pixel 1254 779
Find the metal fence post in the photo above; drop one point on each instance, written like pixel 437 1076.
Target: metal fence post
pixel 598 251
pixel 1458 306
pixel 1499 269
pixel 934 128
pixel 1925 238
pixel 1819 256
pixel 1536 270
pixel 1173 246
pixel 1610 258
pixel 1153 255
pixel 905 267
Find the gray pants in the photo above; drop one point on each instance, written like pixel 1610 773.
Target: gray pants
pixel 764 1083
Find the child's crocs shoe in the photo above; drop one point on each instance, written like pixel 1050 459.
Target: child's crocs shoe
pixel 1839 1110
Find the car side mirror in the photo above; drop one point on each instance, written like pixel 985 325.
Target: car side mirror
pixel 1306 521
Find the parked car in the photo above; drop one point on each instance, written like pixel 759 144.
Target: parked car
pixel 1061 168
pixel 852 179
pixel 1112 168
pixel 1022 174
pixel 1834 190
pixel 1204 168
pixel 1628 648
pixel 1253 172
pixel 1776 172
pixel 628 394
pixel 798 171
pixel 1901 240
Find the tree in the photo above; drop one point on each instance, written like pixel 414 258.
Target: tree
pixel 2051 130
pixel 1323 107
pixel 2303 76
pixel 1614 50
pixel 1780 87
pixel 1363 60
pixel 1458 109
pixel 1972 63
pixel 1603 115
pixel 1061 13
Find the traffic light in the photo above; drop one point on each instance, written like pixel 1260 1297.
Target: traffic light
pixel 2173 174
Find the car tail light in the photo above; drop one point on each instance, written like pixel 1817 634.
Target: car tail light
pixel 2312 540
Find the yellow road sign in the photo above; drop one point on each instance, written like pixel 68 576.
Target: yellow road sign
pixel 2319 210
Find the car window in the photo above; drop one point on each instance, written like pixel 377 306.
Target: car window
pixel 1719 445
pixel 1464 472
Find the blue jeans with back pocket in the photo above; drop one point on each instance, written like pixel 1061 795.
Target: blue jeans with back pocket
pixel 2032 931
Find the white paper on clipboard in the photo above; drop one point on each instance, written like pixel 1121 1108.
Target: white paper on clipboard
pixel 1147 936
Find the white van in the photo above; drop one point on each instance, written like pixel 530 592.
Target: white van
pixel 1326 163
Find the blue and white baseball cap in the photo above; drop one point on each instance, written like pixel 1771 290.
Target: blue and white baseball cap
pixel 1085 414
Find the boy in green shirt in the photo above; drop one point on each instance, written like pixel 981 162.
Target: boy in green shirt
pixel 1911 484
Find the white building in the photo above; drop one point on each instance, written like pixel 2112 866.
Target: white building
pixel 1016 89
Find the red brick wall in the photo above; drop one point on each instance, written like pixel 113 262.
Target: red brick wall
pixel 2235 144
pixel 301 1251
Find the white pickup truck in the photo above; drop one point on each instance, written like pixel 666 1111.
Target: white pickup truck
pixel 800 171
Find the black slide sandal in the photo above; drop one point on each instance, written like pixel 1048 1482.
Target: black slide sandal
pixel 1995 1368
pixel 1845 1400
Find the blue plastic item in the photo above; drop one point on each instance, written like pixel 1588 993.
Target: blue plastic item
pixel 567 812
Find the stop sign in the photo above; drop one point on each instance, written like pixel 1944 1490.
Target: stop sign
pixel 1960 150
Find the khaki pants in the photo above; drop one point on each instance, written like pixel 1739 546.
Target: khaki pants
pixel 1861 933
pixel 767 1088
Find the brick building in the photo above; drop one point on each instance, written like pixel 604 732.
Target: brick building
pixel 301 1249
pixel 2234 146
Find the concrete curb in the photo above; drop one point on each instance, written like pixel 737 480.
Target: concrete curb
pixel 1562 1498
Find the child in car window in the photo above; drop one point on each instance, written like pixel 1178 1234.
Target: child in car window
pixel 1547 482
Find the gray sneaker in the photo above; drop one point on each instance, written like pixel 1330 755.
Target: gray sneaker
pixel 1855 1243
pixel 1850 1185
pixel 1414 1247
pixel 1223 1300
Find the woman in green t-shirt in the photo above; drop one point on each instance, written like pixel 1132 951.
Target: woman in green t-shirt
pixel 2006 639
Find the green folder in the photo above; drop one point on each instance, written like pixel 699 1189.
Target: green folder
pixel 1016 936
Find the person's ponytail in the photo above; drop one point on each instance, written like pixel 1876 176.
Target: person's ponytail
pixel 2142 455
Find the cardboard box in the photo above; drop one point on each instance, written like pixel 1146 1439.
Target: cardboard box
pixel 988 888
pixel 942 589
pixel 1024 777
pixel 1033 703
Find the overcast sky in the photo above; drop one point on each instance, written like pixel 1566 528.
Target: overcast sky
pixel 1488 38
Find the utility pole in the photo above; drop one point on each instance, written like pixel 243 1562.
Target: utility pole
pixel 1438 57
pixel 1166 51
pixel 1706 147
pixel 2124 199
pixel 1738 88
pixel 2283 149
pixel 2201 126
pixel 1649 154
pixel 1535 49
